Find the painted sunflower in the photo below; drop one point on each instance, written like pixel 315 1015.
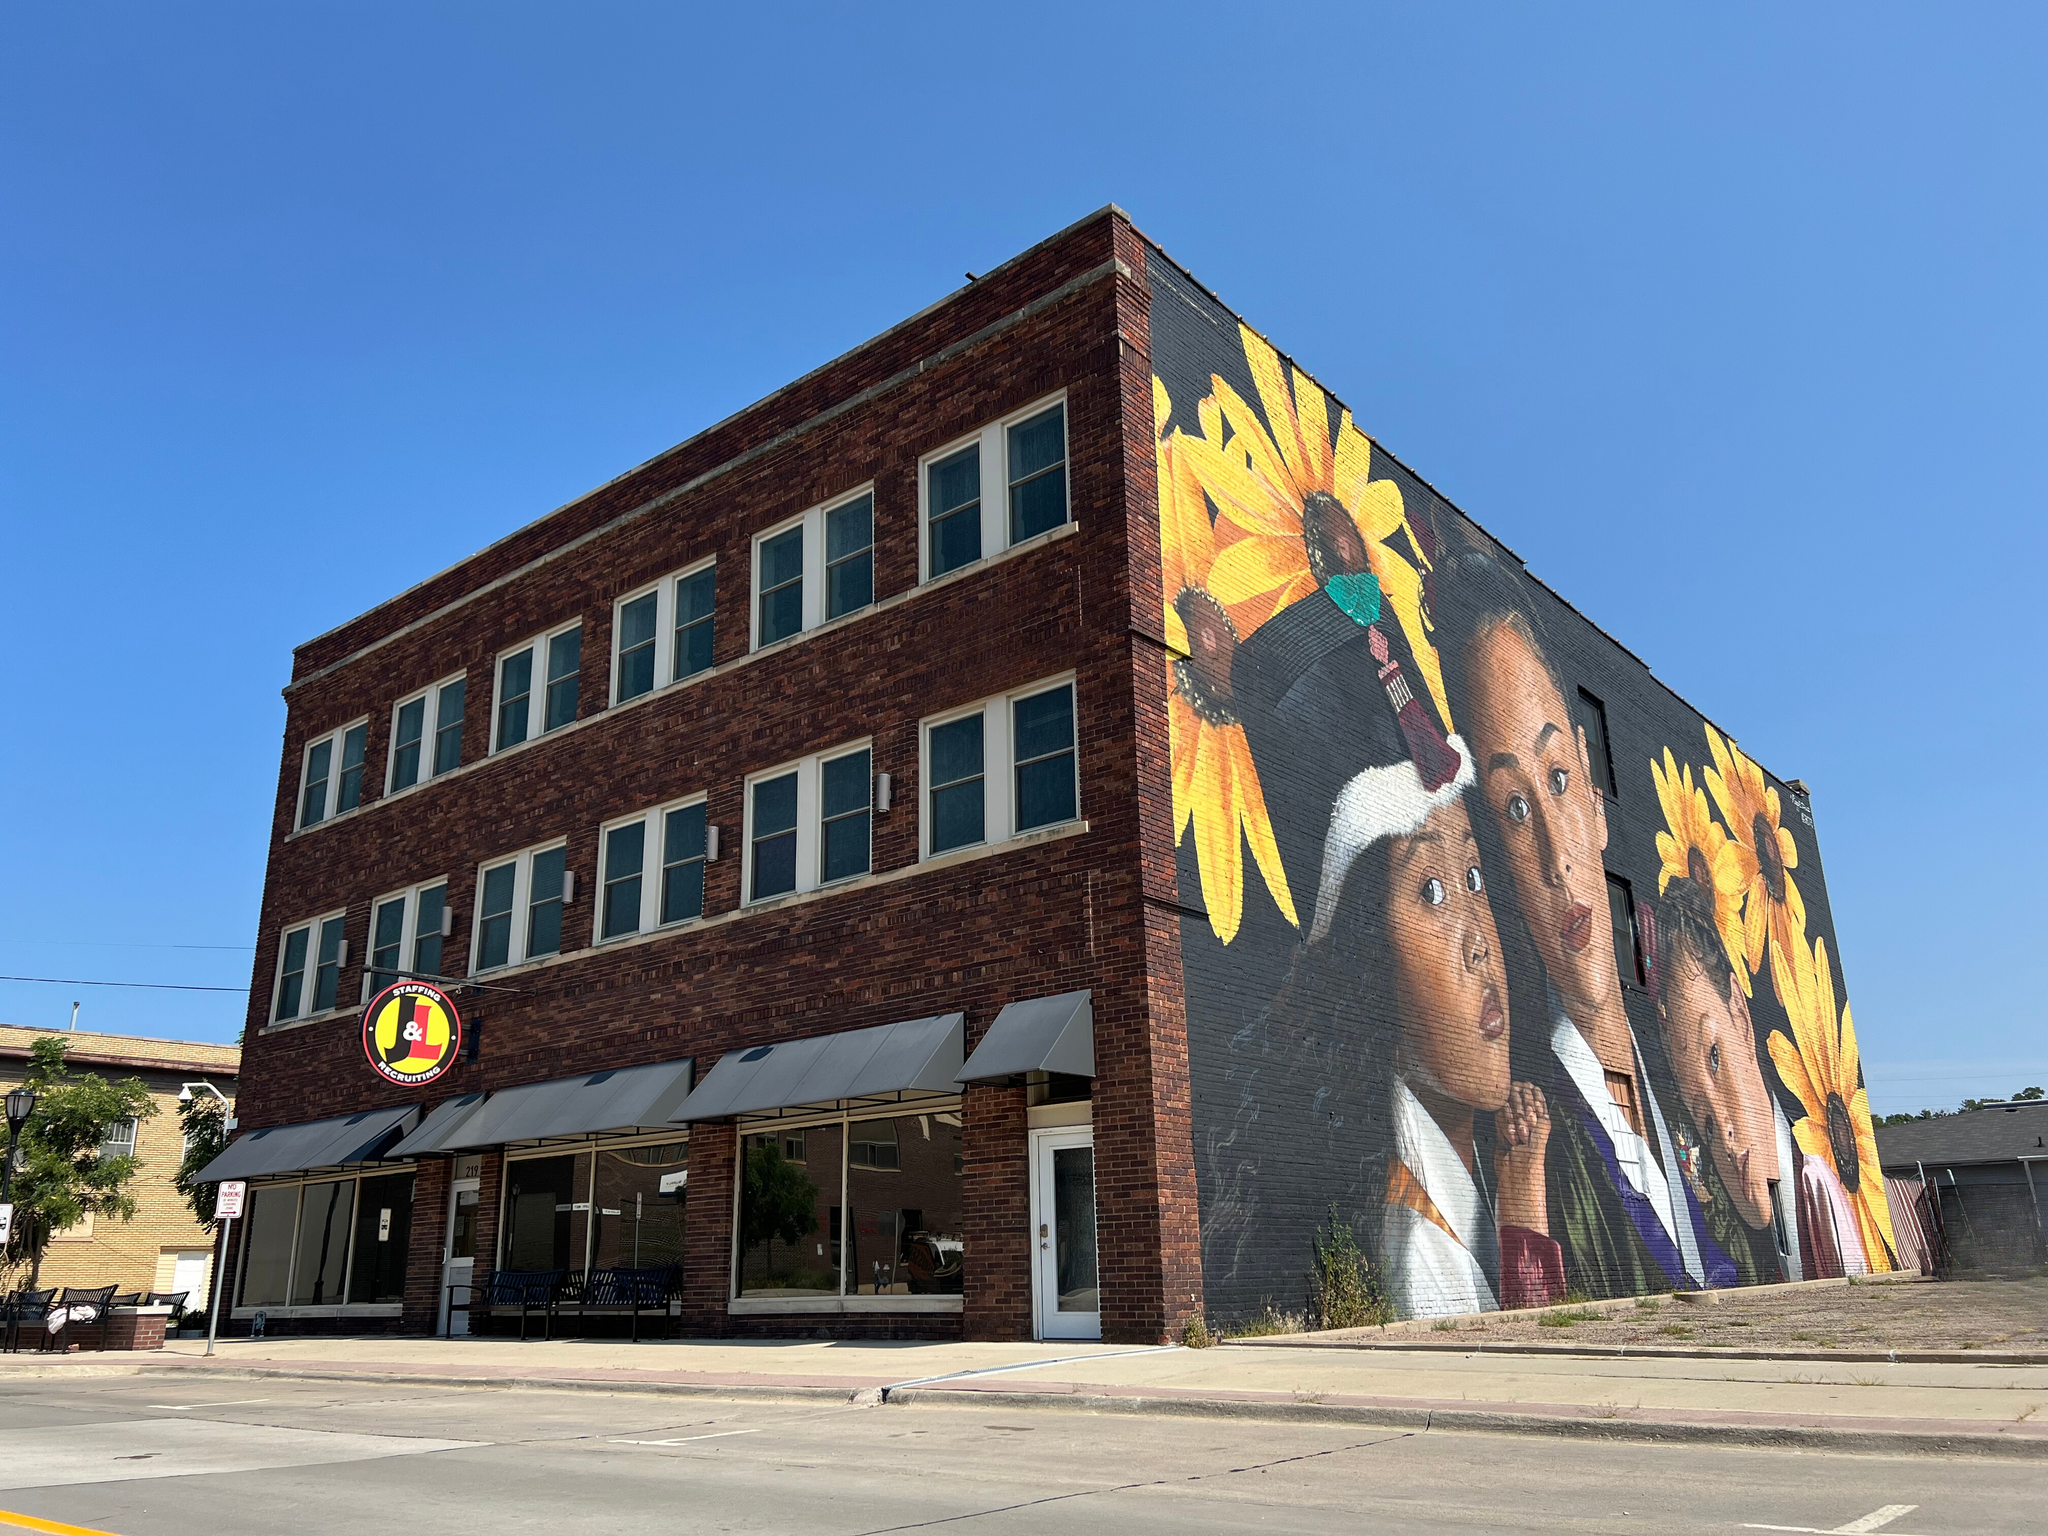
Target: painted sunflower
pixel 1758 860
pixel 1824 1070
pixel 1692 850
pixel 1302 506
pixel 1215 784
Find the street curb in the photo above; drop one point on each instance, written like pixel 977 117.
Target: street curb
pixel 1664 1351
pixel 1484 1421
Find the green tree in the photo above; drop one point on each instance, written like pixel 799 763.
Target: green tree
pixel 63 1176
pixel 2031 1093
pixel 778 1201
pixel 205 1124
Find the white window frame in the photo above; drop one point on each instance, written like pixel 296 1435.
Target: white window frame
pixel 812 520
pixel 537 687
pixel 522 903
pixel 995 484
pixel 998 766
pixel 408 938
pixel 655 822
pixel 310 975
pixel 430 732
pixel 334 740
pixel 664 627
pixel 810 828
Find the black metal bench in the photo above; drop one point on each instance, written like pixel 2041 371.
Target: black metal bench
pixel 632 1291
pixel 530 1290
pixel 24 1309
pixel 83 1309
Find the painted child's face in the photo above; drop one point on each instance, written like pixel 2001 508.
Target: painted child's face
pixel 1451 991
pixel 1553 821
pixel 1707 1034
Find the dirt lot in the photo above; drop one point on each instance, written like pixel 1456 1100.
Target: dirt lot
pixel 1965 1314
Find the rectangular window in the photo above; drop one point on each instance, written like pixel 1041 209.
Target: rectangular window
pixel 519 908
pixel 809 823
pixel 814 568
pixel 957 811
pixel 624 851
pixel 953 491
pixel 682 864
pixel 383 1233
pixel 426 734
pixel 850 556
pixel 1628 944
pixel 291 974
pixel 662 633
pixel 1593 721
pixel 405 934
pixel 1024 459
pixel 267 1248
pixel 547 1213
pixel 637 1215
pixel 118 1139
pixel 317 946
pixel 900 1230
pixel 1047 791
pixel 780 563
pixel 331 780
pixel 319 1265
pixel 537 687
pixel 773 837
pixel 1038 474
pixel 448 713
pixel 847 795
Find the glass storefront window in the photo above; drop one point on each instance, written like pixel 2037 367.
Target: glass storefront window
pixel 547 1212
pixel 383 1235
pixel 639 1205
pixel 789 1214
pixel 267 1247
pixel 903 1187
pixel 324 1213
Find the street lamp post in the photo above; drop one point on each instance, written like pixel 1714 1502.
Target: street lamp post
pixel 21 1103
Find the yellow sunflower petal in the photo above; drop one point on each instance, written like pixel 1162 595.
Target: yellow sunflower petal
pixel 1184 735
pixel 1253 567
pixel 1249 499
pixel 1852 1056
pixel 1217 848
pixel 1351 467
pixel 1401 590
pixel 1270 376
pixel 1812 1138
pixel 1792 1072
pixel 1312 420
pixel 1248 435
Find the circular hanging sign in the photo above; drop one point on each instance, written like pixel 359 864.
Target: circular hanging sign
pixel 411 1032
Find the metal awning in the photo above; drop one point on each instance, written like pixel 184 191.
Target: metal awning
pixel 621 1100
pixel 877 1065
pixel 363 1138
pixel 435 1132
pixel 1044 1034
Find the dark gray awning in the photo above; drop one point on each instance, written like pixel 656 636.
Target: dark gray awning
pixel 623 1099
pixel 914 1056
pixel 362 1138
pixel 1045 1034
pixel 435 1133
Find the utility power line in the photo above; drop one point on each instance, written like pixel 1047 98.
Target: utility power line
pixel 154 986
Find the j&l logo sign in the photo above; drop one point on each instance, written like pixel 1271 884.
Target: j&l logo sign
pixel 411 1032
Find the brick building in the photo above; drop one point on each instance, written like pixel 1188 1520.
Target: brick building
pixel 833 835
pixel 163 1248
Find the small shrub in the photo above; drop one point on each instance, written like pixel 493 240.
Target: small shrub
pixel 1676 1330
pixel 1443 1326
pixel 1647 1303
pixel 1564 1318
pixel 1343 1291
pixel 1267 1322
pixel 1195 1334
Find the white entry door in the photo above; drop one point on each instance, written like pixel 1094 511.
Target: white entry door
pixel 459 1260
pixel 189 1276
pixel 1065 1280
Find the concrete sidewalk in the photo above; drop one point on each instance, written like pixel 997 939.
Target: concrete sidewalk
pixel 1974 1407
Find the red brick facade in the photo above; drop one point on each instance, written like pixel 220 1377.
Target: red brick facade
pixel 1093 906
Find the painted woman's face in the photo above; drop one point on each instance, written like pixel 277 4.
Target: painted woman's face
pixel 1712 1046
pixel 1451 991
pixel 1553 821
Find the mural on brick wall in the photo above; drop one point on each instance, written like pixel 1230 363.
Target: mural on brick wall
pixel 1531 1031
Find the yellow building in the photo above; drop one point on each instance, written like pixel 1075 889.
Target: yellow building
pixel 163 1248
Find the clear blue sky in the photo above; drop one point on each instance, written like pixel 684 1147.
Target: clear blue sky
pixel 1732 324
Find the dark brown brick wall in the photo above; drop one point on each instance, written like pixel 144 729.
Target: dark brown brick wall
pixel 1055 915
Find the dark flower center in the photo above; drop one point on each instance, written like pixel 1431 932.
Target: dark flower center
pixel 1696 869
pixel 1842 1142
pixel 1203 675
pixel 1335 547
pixel 1768 862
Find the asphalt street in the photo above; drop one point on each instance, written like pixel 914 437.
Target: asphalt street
pixel 152 1456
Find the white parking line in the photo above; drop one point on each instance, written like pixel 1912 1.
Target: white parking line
pixel 686 1439
pixel 233 1402
pixel 1876 1520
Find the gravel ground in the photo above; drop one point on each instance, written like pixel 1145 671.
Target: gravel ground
pixel 1964 1314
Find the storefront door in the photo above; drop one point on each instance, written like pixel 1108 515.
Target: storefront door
pixel 1064 1279
pixel 460 1254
